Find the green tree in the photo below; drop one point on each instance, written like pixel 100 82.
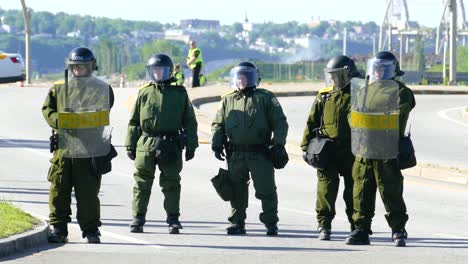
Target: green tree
pixel 418 57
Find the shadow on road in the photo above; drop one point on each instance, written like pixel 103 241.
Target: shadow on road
pixel 253 248
pixel 31 251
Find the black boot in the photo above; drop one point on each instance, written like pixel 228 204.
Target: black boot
pixel 324 233
pixel 136 226
pixel 236 229
pixel 92 236
pixel 272 230
pixel 174 226
pixel 58 235
pixel 399 238
pixel 358 237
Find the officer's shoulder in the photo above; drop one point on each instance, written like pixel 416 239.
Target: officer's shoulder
pixel 232 92
pixel 55 86
pixel 179 88
pixel 326 90
pixel 146 85
pixel 265 92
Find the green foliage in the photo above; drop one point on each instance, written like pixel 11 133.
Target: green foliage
pixel 162 46
pixel 14 221
pixel 418 57
pixel 221 73
pixel 305 70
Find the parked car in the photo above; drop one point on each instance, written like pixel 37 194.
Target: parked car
pixel 11 68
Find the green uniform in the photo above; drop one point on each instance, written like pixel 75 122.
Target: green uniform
pixel 66 174
pixel 246 121
pixel 370 174
pixel 160 109
pixel 333 107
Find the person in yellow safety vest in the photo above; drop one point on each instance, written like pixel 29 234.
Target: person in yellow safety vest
pixel 179 75
pixel 195 63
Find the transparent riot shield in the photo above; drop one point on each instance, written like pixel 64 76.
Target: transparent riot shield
pixel 83 118
pixel 374 118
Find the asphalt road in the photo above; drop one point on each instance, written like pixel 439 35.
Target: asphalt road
pixel 437 228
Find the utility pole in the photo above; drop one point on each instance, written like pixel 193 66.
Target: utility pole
pixel 453 42
pixel 345 36
pixel 27 41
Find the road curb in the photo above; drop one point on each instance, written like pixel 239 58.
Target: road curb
pixel 422 171
pixel 32 238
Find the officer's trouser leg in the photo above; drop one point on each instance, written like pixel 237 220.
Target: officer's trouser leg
pixel 364 193
pixel 345 170
pixel 263 177
pixel 196 75
pixel 169 180
pixel 60 190
pixel 240 177
pixel 390 184
pixel 144 177
pixel 328 183
pixel 87 184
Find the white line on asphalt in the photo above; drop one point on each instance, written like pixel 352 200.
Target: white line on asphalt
pixel 42 153
pixel 109 234
pixel 443 114
pixel 451 236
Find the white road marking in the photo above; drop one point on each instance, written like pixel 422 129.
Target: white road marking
pixel 443 114
pixel 110 234
pixel 451 236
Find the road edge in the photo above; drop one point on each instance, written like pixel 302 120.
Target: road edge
pixel 20 242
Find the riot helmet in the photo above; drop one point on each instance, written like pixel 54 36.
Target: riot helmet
pixel 244 75
pixel 81 62
pixel 383 66
pixel 159 68
pixel 339 71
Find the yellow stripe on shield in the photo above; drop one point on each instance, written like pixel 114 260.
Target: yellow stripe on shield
pixel 83 120
pixel 374 121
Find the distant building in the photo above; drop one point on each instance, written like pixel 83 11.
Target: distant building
pixel 177 34
pixel 314 22
pixel 4 28
pixel 247 25
pixel 74 34
pixel 198 23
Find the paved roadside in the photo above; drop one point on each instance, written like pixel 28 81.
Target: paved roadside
pixel 213 93
pixel 32 238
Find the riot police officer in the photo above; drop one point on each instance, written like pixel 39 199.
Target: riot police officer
pixel 242 131
pixel 77 109
pixel 161 124
pixel 329 118
pixel 380 111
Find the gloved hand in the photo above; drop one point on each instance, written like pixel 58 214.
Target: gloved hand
pixel 131 154
pixel 304 156
pixel 219 153
pixel 53 142
pixel 189 154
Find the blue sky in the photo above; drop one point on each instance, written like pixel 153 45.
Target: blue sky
pixel 426 12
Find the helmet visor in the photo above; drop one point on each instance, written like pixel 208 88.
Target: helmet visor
pixel 157 73
pixel 338 78
pixel 242 77
pixel 380 69
pixel 77 70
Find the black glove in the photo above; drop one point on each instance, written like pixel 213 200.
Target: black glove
pixel 304 156
pixel 219 153
pixel 53 142
pixel 131 154
pixel 189 154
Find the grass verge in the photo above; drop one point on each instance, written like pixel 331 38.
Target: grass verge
pixel 14 220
